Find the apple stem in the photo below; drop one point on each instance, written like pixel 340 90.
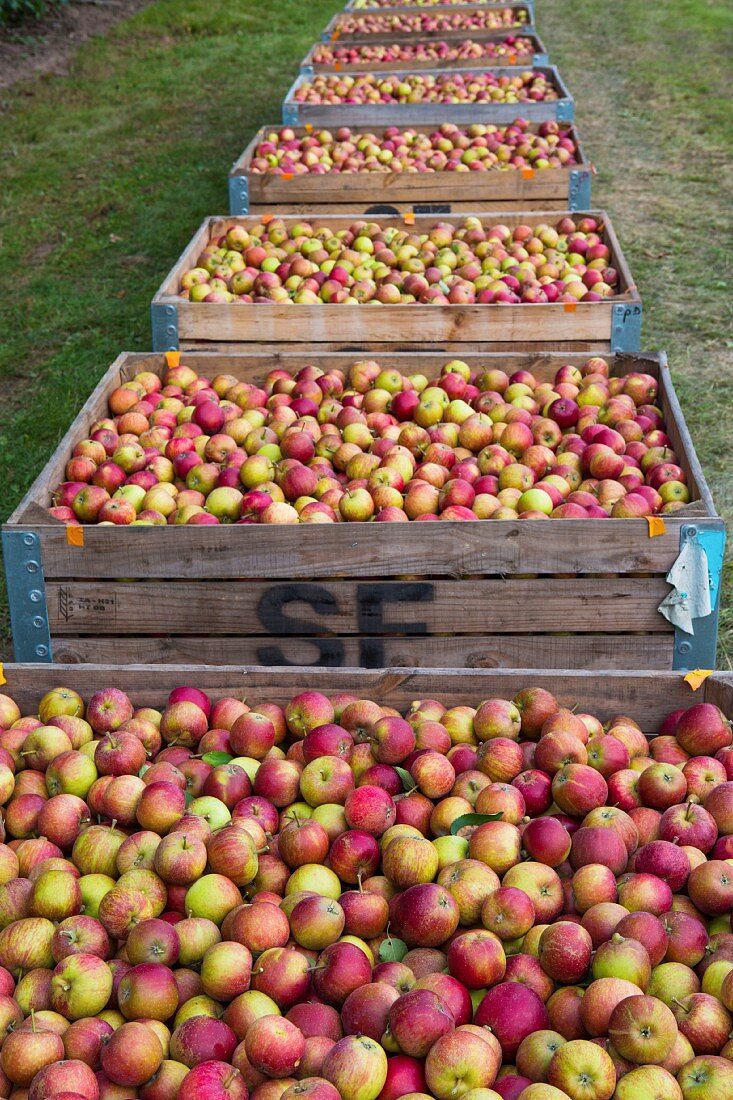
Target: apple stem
pixel 676 1001
pixel 33 1020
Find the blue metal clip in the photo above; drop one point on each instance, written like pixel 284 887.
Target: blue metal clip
pixel 26 596
pixel 164 318
pixel 290 114
pixel 626 326
pixel 698 650
pixel 579 190
pixel 565 110
pixel 238 195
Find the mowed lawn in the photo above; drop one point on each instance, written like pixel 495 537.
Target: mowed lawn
pixel 107 172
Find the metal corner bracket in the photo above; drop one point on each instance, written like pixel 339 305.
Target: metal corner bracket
pixel 565 110
pixel 238 195
pixel 626 326
pixel 164 319
pixel 698 650
pixel 540 59
pixel 27 596
pixel 579 189
pixel 290 114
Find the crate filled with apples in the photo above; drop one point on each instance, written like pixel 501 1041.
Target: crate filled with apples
pixel 365 886
pixel 444 22
pixel 437 167
pixel 405 97
pixel 563 274
pixel 396 508
pixel 428 53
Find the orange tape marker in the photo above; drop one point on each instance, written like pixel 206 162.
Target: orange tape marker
pixel 656 526
pixel 74 536
pixel 697 677
pixel 172 358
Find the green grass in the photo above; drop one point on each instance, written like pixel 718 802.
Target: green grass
pixel 108 171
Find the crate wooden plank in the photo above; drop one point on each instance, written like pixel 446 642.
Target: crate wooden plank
pixel 521 18
pixel 528 326
pixel 647 698
pixel 408 114
pixel 421 606
pixel 375 193
pixel 599 652
pixel 537 54
pixel 493 548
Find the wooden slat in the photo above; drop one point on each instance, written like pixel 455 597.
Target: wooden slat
pixel 527 325
pixel 424 606
pixel 589 651
pixel 492 548
pixel 645 697
pixel 379 349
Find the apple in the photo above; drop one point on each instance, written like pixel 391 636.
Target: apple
pixel 274 1046
pixel 24 1054
pixel 366 1010
pixel 513 1012
pixel 131 1055
pixel 642 1029
pixel 582 1065
pixel 417 1019
pixel 457 1063
pixel 357 1067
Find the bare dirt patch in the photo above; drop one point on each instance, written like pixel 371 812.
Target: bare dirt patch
pixel 46 47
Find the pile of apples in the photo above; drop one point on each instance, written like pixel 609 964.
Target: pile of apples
pixel 410 3
pixel 452 86
pixel 428 50
pixel 325 447
pixel 327 900
pixel 461 263
pixel 448 148
pixel 444 22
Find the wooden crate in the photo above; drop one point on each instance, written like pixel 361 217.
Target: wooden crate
pixel 395 193
pixel 411 114
pixel 613 324
pixel 568 594
pixel 361 6
pixel 339 28
pixel 539 55
pixel 644 696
